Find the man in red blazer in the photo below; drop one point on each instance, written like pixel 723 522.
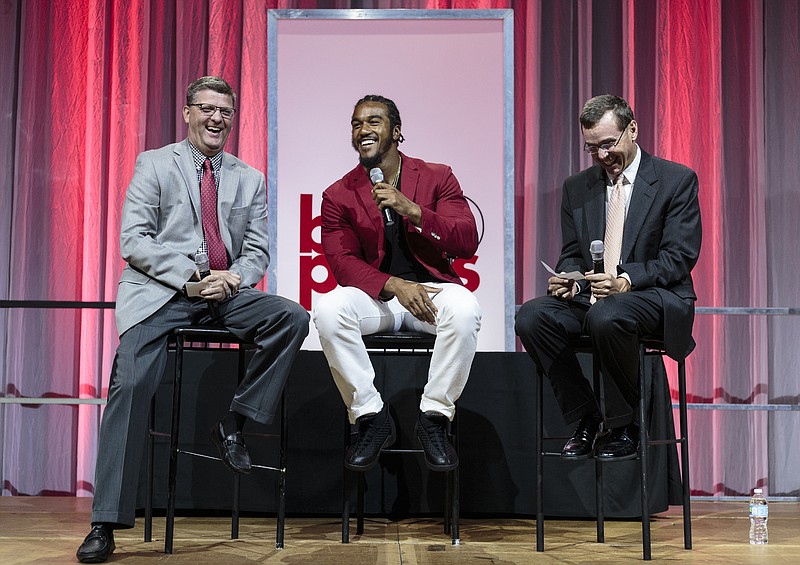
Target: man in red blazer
pixel 389 243
pixel 646 288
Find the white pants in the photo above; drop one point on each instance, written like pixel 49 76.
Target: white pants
pixel 343 315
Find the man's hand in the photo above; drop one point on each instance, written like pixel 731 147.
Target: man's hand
pixel 222 284
pixel 561 288
pixel 603 284
pixel 414 297
pixel 387 196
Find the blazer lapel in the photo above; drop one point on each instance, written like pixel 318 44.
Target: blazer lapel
pixel 409 183
pixel 226 196
pixel 595 208
pixel 643 195
pixel 183 158
pixel 362 187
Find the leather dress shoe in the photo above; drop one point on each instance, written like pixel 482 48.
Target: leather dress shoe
pixel 581 444
pixel 98 546
pixel 373 432
pixel 431 429
pixel 622 444
pixel 232 449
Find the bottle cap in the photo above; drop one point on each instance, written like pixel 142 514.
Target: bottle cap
pixel 757 491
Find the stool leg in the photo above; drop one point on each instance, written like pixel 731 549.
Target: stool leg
pixel 282 477
pixel 456 495
pixel 148 509
pixel 237 489
pixel 448 502
pixel 237 484
pixel 448 491
pixel 599 389
pixel 456 508
pixel 539 464
pixel 361 479
pixel 686 491
pixel 346 488
pixel 173 443
pixel 643 457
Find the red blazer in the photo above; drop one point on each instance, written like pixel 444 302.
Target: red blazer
pixel 352 226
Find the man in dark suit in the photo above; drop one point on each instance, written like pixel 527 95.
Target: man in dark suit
pixel 184 200
pixel 646 211
pixel 396 275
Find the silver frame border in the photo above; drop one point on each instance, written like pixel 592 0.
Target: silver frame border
pixel 507 16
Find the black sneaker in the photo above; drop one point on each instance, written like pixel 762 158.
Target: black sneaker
pixel 373 433
pixel 440 455
pixel 98 545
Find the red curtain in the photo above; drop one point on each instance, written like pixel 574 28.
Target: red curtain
pixel 714 85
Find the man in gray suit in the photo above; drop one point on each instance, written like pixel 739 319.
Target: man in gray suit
pixel 184 201
pixel 646 212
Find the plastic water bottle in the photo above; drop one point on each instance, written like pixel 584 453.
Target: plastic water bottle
pixel 759 514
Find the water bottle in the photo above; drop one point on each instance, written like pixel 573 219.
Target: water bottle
pixel 759 514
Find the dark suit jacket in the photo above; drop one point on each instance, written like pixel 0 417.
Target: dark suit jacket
pixel 660 243
pixel 352 225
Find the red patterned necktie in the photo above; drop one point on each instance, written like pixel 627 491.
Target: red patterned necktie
pixel 217 256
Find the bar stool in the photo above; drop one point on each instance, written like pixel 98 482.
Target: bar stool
pixel 407 343
pixel 199 337
pixel 647 347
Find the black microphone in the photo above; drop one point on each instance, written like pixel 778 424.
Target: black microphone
pixel 596 248
pixel 203 269
pixel 376 176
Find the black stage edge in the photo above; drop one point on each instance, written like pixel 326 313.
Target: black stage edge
pixel 496 414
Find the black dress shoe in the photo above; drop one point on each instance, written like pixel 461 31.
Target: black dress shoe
pixel 373 433
pixel 440 455
pixel 231 449
pixel 581 444
pixel 622 444
pixel 97 546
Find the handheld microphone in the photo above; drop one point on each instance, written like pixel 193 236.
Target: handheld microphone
pixel 203 269
pixel 596 248
pixel 376 176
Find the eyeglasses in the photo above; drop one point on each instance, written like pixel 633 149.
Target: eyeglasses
pixel 595 149
pixel 209 109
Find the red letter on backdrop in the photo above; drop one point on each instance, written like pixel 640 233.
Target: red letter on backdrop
pixel 311 255
pixel 470 278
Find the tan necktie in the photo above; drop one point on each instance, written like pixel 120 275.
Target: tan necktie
pixel 615 223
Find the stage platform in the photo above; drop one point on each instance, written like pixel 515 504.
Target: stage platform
pixel 496 430
pixel 49 530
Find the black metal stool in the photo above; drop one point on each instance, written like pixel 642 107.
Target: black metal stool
pixel 182 339
pixel 647 347
pixel 406 343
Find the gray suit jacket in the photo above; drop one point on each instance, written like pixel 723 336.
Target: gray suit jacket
pixel 660 243
pixel 162 229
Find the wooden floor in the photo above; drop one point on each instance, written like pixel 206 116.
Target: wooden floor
pixel 49 530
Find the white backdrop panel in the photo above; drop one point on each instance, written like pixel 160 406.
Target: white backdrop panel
pixel 446 77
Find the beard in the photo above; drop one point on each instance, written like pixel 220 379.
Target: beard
pixel 375 160
pixel 370 162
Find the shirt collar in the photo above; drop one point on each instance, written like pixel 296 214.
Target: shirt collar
pixel 630 172
pixel 199 158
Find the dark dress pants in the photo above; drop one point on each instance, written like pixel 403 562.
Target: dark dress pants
pixel 546 324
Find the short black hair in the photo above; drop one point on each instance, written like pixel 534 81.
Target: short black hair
pixel 217 84
pixel 597 107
